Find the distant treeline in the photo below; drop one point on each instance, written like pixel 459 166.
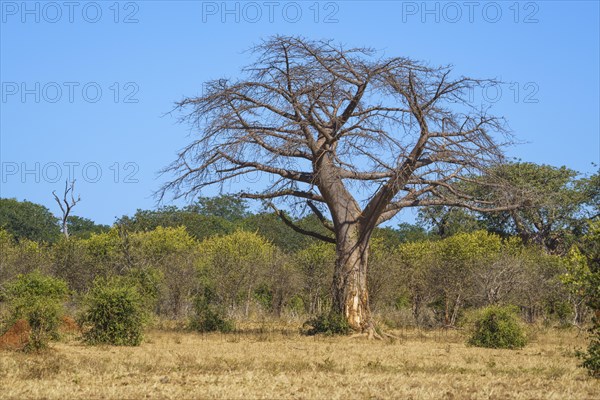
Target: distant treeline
pixel 425 274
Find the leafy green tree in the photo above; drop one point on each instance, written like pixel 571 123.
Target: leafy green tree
pixel 552 216
pixel 590 187
pixel 165 258
pixel 209 314
pixel 461 257
pixel 411 232
pixel 577 279
pixel 417 262
pixel 228 207
pixel 24 219
pixel 21 257
pixel 539 291
pixel 81 261
pixel 271 227
pixel 84 227
pixel 386 283
pixel 7 251
pixel 233 266
pixel 106 253
pixel 315 264
pixel 72 262
pixel 198 225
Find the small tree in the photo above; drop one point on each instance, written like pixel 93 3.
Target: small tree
pixel 315 264
pixel 461 256
pixel 71 262
pixel 417 261
pixel 498 328
pixel 169 255
pixel 114 313
pixel 577 280
pixel 38 299
pixel 234 266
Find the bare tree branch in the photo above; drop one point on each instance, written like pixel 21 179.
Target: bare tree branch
pixel 67 204
pixel 298 229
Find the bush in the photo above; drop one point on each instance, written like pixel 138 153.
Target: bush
pixel 590 283
pixel 209 317
pixel 591 358
pixel 329 324
pixel 211 320
pixel 114 313
pixel 498 328
pixel 38 299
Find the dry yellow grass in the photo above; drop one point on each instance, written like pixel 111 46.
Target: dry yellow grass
pixel 175 365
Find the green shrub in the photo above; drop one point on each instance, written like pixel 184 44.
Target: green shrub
pixel 114 313
pixel 498 328
pixel 211 320
pixel 591 358
pixel 209 317
pixel 329 324
pixel 38 299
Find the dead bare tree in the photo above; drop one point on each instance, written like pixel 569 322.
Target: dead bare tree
pixel 346 131
pixel 66 204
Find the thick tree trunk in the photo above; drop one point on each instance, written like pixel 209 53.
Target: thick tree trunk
pixel 350 295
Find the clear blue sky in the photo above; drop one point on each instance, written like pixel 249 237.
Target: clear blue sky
pixel 63 53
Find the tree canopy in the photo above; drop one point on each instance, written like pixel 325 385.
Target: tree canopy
pixel 24 219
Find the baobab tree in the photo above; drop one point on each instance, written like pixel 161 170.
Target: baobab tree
pixel 355 136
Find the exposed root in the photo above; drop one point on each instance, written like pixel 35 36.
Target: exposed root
pixel 371 333
pixel 386 334
pixel 358 335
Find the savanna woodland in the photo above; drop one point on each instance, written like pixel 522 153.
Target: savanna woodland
pixel 285 282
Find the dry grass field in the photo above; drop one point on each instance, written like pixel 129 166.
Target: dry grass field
pixel 268 363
